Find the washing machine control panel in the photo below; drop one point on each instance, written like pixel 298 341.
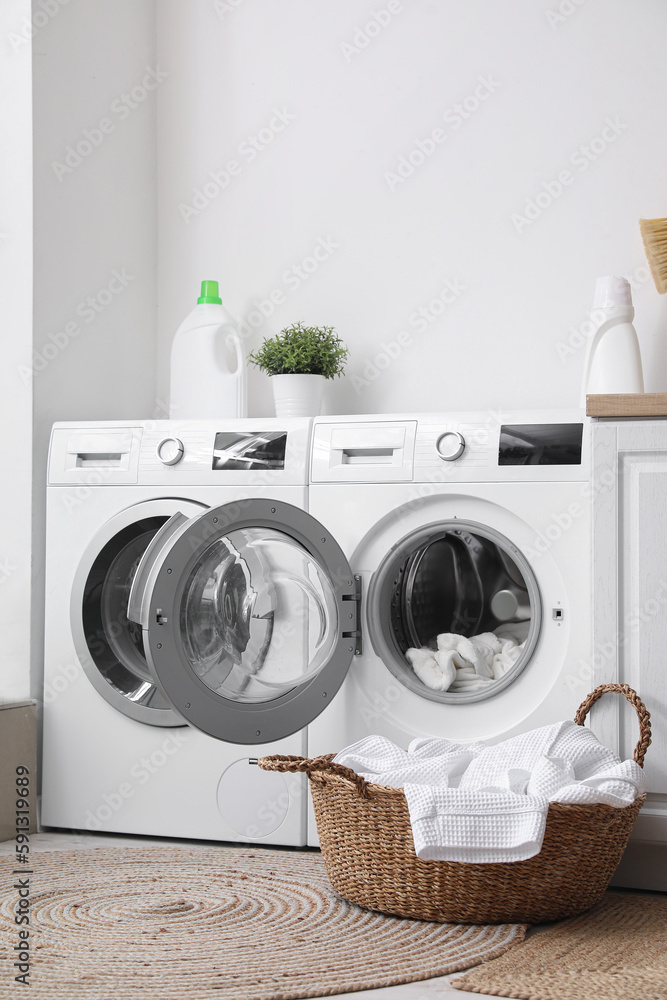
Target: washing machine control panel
pixel 502 447
pixel 255 452
pixel 170 450
pixel 450 445
pixel 455 447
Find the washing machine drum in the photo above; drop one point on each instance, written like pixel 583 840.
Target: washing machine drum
pixel 455 581
pixel 458 583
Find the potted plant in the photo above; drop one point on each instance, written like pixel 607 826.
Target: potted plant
pixel 298 360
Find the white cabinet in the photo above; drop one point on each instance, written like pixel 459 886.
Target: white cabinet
pixel 630 617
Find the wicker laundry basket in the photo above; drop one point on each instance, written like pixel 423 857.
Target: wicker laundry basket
pixel 368 851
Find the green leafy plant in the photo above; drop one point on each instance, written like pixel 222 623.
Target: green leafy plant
pixel 302 350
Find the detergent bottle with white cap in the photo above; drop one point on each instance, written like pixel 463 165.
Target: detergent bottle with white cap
pixel 613 360
pixel 208 370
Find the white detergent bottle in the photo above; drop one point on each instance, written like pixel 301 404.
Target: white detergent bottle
pixel 208 370
pixel 613 360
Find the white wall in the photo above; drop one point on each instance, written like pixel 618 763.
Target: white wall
pixel 359 104
pixel 95 227
pixel 16 327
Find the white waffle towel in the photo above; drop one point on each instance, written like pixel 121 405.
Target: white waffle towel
pixel 482 803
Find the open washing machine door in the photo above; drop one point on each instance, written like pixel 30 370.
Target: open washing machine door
pixel 108 644
pixel 249 615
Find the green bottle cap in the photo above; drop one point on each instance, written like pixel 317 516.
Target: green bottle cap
pixel 209 293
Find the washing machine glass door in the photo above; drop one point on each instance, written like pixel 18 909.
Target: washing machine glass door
pixel 108 643
pixel 249 616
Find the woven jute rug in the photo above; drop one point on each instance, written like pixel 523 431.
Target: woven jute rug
pixel 616 951
pixel 228 923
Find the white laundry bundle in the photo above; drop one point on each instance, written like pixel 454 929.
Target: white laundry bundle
pixel 482 803
pixel 465 664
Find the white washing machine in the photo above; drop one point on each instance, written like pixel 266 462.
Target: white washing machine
pixel 458 523
pixel 196 619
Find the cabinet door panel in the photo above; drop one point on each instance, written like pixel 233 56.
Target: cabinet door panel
pixel 630 595
pixel 643 601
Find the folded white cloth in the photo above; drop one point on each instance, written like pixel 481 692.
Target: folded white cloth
pixel 449 824
pixel 465 664
pixel 484 803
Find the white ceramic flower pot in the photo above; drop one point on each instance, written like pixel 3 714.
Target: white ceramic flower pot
pixel 298 395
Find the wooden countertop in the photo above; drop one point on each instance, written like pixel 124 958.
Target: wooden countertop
pixel 631 404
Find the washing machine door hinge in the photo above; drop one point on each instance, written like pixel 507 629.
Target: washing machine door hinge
pixel 355 615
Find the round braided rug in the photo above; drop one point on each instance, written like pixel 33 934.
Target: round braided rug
pixel 230 923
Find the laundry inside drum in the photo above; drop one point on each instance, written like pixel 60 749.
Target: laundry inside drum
pixel 462 612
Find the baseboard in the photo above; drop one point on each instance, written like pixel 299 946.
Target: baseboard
pixel 643 866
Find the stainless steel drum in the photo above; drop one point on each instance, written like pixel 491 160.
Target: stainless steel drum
pixel 457 577
pixel 459 582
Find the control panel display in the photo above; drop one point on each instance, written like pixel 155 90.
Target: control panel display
pixel 540 444
pixel 249 450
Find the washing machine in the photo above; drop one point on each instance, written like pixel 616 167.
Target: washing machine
pixel 458 524
pixel 196 619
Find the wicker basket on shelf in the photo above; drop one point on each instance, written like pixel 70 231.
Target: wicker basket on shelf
pixel 369 855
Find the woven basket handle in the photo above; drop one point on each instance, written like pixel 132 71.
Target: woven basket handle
pixel 636 702
pixel 312 765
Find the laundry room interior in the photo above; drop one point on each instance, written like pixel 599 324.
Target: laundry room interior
pixel 209 591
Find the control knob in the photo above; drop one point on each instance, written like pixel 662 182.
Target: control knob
pixel 170 450
pixel 450 446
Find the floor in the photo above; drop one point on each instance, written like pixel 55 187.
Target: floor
pixel 429 989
